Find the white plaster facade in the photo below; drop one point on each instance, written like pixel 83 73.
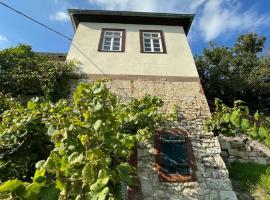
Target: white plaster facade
pixel 178 60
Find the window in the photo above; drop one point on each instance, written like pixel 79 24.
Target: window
pixel 152 42
pixel 175 160
pixel 112 40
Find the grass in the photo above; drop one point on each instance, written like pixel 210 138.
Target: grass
pixel 251 178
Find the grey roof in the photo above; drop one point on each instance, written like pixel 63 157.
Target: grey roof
pixel 127 17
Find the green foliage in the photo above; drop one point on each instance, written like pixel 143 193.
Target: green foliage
pixel 237 120
pixel 250 179
pixel 247 174
pixel 6 102
pixel 93 138
pixel 239 72
pixel 23 139
pixel 265 181
pixel 24 72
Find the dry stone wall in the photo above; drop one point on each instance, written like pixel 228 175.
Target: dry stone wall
pixel 212 176
pixel 243 149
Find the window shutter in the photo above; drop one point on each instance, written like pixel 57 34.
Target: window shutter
pixel 175 160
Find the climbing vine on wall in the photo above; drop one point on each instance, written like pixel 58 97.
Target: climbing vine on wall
pixel 238 120
pixel 93 139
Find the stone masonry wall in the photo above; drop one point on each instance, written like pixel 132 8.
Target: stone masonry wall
pixel 212 175
pixel 243 149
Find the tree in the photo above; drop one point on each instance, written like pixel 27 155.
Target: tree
pixel 239 72
pixel 26 73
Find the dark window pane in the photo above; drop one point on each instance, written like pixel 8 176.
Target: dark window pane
pixel 107 43
pixel 115 48
pixel 117 33
pixel 146 40
pixel 156 41
pixel 154 35
pixel 108 33
pixel 172 138
pixel 117 39
pixel 107 39
pixel 174 155
pixel 157 45
pixel 147 49
pixel 106 47
pixel 146 35
pixel 157 49
pixel 147 45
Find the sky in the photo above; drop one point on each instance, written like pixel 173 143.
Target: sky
pixel 216 20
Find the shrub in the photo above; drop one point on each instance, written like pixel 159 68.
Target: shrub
pixel 24 72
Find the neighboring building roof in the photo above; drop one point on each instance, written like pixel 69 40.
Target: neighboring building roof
pixel 57 56
pixel 126 17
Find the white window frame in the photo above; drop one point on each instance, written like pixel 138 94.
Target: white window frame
pixel 151 38
pixel 112 38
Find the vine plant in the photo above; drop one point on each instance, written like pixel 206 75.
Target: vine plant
pixel 93 139
pixel 237 120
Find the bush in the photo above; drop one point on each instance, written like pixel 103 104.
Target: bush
pixel 24 72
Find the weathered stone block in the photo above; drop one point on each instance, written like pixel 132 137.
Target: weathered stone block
pixel 218 184
pixel 227 195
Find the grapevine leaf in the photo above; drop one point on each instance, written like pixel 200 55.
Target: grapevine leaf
pixel 245 124
pixel 74 159
pixel 103 194
pixel 253 133
pixel 40 163
pixel 39 176
pixel 99 185
pixel 51 131
pixel 88 173
pixel 256 115
pixel 227 117
pixel 97 90
pixel 32 191
pixel 124 172
pixel 235 118
pixel 97 124
pixel 60 183
pixel 31 105
pixel 102 173
pixel 14 186
pixel 49 193
pixel 267 141
pixel 263 133
pixel 98 106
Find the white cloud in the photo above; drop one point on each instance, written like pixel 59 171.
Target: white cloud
pixel 214 18
pixel 60 16
pixel 4 42
pixel 3 39
pixel 149 5
pixel 221 17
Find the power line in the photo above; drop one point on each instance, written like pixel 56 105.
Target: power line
pixel 66 37
pixel 30 18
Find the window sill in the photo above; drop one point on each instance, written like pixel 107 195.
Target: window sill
pixel 110 51
pixel 154 52
pixel 175 178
